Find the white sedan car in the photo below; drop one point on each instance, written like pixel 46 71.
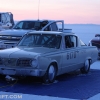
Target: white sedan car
pixel 47 54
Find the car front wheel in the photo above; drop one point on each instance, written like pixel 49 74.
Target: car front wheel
pixel 86 68
pixel 50 74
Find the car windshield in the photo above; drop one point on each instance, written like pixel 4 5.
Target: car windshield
pixel 35 25
pixel 41 40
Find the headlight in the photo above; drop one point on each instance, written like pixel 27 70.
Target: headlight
pixel 34 63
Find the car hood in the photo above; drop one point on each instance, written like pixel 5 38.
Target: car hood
pixel 25 52
pixel 14 32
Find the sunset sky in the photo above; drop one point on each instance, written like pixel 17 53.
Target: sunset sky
pixel 71 11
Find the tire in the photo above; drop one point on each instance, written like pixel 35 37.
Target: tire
pixel 50 74
pixel 86 68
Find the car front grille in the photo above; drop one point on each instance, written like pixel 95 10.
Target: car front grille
pixel 9 62
pixel 15 62
pixel 8 37
pixel 24 62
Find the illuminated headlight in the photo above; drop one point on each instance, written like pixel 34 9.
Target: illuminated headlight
pixel 34 63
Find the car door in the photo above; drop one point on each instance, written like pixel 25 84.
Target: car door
pixel 70 54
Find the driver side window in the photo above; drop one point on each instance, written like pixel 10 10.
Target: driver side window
pixel 70 41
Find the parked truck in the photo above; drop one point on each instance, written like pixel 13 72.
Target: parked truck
pixel 10 38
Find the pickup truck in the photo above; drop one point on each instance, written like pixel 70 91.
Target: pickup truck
pixel 47 54
pixel 9 38
pixel 6 20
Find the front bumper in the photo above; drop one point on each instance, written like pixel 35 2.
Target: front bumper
pixel 21 72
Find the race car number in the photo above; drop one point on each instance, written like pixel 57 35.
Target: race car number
pixel 72 55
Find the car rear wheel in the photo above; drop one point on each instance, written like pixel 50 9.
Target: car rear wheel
pixel 86 68
pixel 50 74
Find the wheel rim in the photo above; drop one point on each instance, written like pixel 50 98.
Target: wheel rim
pixel 51 73
pixel 87 65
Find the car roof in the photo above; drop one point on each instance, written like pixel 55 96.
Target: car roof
pixel 50 32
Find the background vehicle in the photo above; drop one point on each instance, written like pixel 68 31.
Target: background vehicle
pixel 47 54
pixel 96 42
pixel 6 20
pixel 9 38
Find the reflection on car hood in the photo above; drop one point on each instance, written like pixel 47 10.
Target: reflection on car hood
pixel 14 32
pixel 25 52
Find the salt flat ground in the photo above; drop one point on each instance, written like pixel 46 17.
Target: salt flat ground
pixel 73 86
pixel 85 31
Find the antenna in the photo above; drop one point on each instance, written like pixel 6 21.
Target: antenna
pixel 38 8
